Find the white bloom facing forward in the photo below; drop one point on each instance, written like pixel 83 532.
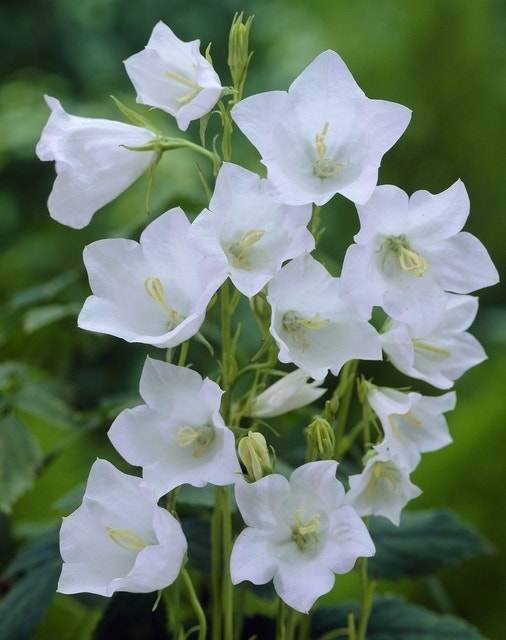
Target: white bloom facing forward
pixel 299 533
pixel 312 326
pixel 287 394
pixel 410 251
pixel 154 291
pixel 413 424
pixel 323 136
pixel 178 436
pixel 119 539
pixel 93 164
pixel 251 233
pixel 383 488
pixel 174 76
pixel 439 356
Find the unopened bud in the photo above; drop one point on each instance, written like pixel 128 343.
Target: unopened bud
pixel 238 54
pixel 321 437
pixel 254 454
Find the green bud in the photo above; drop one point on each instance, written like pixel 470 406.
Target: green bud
pixel 321 437
pixel 253 452
pixel 238 54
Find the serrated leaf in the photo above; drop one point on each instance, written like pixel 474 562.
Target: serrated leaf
pixel 423 542
pixel 19 457
pixel 394 619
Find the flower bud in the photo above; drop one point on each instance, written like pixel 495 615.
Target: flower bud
pixel 238 55
pixel 321 437
pixel 253 452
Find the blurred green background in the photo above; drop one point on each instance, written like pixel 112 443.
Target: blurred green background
pixel 445 59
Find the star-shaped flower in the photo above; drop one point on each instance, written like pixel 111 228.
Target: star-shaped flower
pixel 323 136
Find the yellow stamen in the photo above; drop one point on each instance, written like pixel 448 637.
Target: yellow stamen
pixel 199 437
pixel 324 167
pixel 296 326
pixel 238 251
pixel 304 534
pixel 382 470
pixel 126 538
pixel 154 288
pixel 409 417
pixel 424 346
pixel 194 88
pixel 410 261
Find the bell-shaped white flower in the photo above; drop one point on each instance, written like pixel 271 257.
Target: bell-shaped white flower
pixel 93 164
pixel 413 424
pixel 154 291
pixel 174 76
pixel 323 136
pixel 287 394
pixel 410 251
pixel 312 326
pixel 299 533
pixel 439 356
pixel 383 488
pixel 248 230
pixel 178 436
pixel 119 539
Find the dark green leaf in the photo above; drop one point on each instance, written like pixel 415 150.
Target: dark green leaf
pixel 129 616
pixel 393 619
pixel 43 550
pixel 19 457
pixel 423 542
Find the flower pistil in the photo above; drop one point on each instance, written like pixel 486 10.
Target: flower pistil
pixel 305 534
pixel 324 167
pixel 126 538
pixel 198 437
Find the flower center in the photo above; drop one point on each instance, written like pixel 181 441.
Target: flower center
pixel 238 251
pixel 324 167
pixel 382 470
pixel 409 417
pixel 424 346
pixel 409 260
pixel 194 88
pixel 304 534
pixel 197 437
pixel 126 538
pixel 154 288
pixel 296 326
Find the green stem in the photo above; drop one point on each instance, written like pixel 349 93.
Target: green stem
pixel 199 612
pixel 343 393
pixel 368 588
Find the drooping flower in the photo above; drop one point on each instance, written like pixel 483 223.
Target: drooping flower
pixel 299 533
pixel 178 435
pixel 154 291
pixel 287 394
pixel 410 251
pixel 174 76
pixel 119 539
pixel 323 136
pixel 312 326
pixel 439 356
pixel 413 424
pixel 93 163
pixel 248 230
pixel 383 488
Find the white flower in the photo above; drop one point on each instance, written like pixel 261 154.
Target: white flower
pixel 299 533
pixel 156 291
pixel 383 488
pixel 173 75
pixel 178 436
pixel 290 392
pixel 413 424
pixel 93 165
pixel 312 326
pixel 119 539
pixel 439 356
pixel 409 251
pixel 323 136
pixel 251 233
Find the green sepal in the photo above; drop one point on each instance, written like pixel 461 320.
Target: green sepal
pixel 136 118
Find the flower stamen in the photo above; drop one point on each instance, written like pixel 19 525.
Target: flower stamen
pixel 238 251
pixel 324 167
pixel 410 261
pixel 198 437
pixel 194 88
pixel 419 344
pixel 297 324
pixel 382 470
pixel 304 534
pixel 154 288
pixel 126 538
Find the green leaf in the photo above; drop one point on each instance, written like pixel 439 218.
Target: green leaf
pixel 19 457
pixel 423 542
pixel 129 616
pixel 25 604
pixel 394 619
pixel 39 317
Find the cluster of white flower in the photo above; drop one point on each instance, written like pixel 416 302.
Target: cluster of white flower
pixel 320 138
